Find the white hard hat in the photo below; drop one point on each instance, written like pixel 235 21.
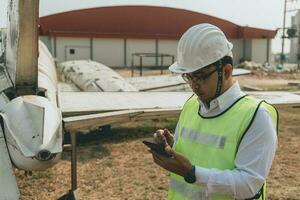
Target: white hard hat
pixel 200 46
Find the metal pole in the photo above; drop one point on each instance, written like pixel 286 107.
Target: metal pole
pixel 132 64
pixel 161 64
pixel 71 195
pixel 91 49
pixel 54 47
pixel 283 35
pixel 156 52
pixel 125 53
pixel 141 64
pixel 268 50
pixel 73 161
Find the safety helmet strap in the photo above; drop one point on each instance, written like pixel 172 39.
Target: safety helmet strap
pixel 220 78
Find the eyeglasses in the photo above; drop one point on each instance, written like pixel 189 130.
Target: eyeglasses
pixel 197 79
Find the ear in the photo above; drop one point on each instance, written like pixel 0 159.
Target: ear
pixel 227 71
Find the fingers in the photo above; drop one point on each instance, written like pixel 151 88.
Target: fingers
pixel 175 155
pixel 171 164
pixel 159 138
pixel 169 137
pixel 156 157
pixel 170 151
pixel 160 131
pixel 166 132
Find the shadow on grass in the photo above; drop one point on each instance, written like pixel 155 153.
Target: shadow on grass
pixel 87 152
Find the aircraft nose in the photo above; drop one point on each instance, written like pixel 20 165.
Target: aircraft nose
pixel 44 155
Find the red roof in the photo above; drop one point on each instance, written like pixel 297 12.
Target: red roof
pixel 138 22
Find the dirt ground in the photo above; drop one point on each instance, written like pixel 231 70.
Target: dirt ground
pixel 118 166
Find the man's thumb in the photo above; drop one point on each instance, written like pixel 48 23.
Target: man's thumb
pixel 170 151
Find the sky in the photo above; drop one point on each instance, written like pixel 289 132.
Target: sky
pixel 267 14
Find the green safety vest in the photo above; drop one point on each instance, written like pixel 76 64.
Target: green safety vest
pixel 212 142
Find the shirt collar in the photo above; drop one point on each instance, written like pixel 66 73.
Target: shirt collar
pixel 222 102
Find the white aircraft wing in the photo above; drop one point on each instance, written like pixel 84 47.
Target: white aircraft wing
pixel 147 83
pixel 92 76
pixel 83 110
pixel 8 185
pixel 278 98
pixel 81 103
pixel 168 82
pixel 240 72
pixel 92 121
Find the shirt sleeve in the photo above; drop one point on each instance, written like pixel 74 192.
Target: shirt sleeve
pixel 253 162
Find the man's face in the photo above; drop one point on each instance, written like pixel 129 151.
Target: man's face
pixel 204 83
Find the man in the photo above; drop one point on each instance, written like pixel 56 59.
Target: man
pixel 225 140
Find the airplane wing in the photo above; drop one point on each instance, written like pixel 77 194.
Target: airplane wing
pixel 168 82
pixel 8 185
pixel 92 76
pixel 240 72
pixel 150 83
pixel 83 110
pixel 82 103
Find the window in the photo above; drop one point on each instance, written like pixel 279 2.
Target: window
pixel 72 51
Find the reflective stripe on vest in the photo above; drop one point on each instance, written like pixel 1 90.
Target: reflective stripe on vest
pixel 203 138
pixel 212 142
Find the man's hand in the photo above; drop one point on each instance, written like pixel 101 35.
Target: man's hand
pixel 177 163
pixel 163 137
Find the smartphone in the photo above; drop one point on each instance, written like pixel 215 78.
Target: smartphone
pixel 157 148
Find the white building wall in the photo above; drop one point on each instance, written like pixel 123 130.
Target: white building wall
pixel 293 50
pixel 47 41
pixel 237 50
pixel 294 46
pixel 259 50
pixel 140 46
pixel 53 45
pixel 109 52
pixel 65 46
pixel 248 49
pixel 167 47
pixel 270 56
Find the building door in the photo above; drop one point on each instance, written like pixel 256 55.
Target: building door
pixel 77 53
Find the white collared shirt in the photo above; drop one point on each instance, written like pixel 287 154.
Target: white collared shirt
pixel 254 157
pixel 222 102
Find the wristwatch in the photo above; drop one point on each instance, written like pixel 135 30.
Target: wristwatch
pixel 190 177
